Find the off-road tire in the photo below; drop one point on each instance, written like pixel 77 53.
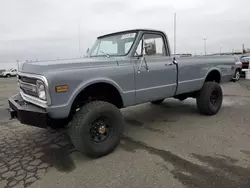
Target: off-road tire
pixel 80 126
pixel 209 98
pixel 157 101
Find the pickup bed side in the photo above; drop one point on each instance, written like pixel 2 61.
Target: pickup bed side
pixel 194 71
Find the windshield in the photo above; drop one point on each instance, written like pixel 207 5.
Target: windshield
pixel 113 45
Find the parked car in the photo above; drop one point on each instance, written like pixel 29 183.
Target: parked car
pixel 122 69
pixel 245 61
pixel 9 73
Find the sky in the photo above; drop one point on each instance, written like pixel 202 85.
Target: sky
pixel 48 29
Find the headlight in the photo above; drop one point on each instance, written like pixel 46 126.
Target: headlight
pixel 41 90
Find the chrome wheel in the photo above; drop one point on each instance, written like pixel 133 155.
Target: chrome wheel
pixel 237 75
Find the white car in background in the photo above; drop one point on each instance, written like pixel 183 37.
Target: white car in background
pixel 9 73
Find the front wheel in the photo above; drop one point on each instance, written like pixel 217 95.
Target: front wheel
pixel 209 98
pixel 96 128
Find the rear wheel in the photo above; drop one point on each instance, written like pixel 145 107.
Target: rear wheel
pixel 8 75
pixel 209 98
pixel 96 128
pixel 158 101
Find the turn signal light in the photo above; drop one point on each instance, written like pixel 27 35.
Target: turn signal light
pixel 62 88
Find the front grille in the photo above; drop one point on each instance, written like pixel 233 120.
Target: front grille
pixel 27 80
pixel 28 85
pixel 34 94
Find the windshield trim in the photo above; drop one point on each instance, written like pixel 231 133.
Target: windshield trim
pixel 112 55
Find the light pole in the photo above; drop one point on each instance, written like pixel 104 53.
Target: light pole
pixel 220 49
pixel 174 33
pixel 205 46
pixel 79 38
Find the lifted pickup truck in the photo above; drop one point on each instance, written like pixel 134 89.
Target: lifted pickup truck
pixel 122 69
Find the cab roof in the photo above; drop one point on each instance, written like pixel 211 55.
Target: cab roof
pixel 130 31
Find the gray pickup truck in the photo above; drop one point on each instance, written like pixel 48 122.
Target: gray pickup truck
pixel 121 69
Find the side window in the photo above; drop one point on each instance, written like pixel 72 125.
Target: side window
pixel 154 45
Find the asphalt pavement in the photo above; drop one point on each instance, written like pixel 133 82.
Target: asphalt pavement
pixel 167 145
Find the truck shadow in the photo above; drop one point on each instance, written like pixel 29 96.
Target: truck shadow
pixel 170 111
pixel 217 171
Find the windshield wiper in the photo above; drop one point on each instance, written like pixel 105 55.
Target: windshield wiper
pixel 105 54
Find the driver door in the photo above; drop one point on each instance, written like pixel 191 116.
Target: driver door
pixel 155 74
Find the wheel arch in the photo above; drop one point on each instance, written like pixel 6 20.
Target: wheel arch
pixel 238 68
pixel 113 87
pixel 213 75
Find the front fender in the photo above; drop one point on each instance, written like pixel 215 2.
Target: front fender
pixel 62 111
pixel 85 84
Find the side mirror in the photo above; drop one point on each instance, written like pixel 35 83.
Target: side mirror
pixel 142 51
pixel 142 54
pixel 148 46
pixel 174 60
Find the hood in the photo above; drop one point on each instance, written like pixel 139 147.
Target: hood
pixel 40 67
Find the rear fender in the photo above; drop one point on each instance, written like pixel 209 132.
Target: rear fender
pixel 210 70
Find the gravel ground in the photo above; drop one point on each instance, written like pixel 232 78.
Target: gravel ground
pixel 169 145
